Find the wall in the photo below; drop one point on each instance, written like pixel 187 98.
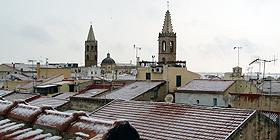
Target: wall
pixel 169 74
pixel 48 72
pixel 255 128
pixel 204 99
pixel 147 95
pixel 11 85
pixel 254 101
pixel 84 104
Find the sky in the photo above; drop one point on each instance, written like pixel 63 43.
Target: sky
pixel 207 31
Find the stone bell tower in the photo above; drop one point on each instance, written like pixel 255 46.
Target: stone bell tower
pixel 91 49
pixel 167 41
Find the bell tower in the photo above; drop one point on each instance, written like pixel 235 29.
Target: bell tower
pixel 90 49
pixel 167 41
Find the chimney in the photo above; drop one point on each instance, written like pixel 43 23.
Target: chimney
pixel 38 70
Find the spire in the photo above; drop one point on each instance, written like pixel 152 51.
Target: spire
pixel 167 26
pixel 90 34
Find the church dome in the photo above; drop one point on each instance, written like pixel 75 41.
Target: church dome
pixel 108 60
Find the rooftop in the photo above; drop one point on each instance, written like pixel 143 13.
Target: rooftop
pixel 207 85
pixel 132 90
pixel 91 93
pixel 154 120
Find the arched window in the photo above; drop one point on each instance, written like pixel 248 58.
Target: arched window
pixel 163 45
pixel 87 57
pixel 171 46
pixel 91 48
pixel 87 48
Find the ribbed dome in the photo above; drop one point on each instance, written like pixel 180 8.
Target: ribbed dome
pixel 108 60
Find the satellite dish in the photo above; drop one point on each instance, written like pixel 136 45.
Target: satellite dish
pixel 17 87
pixel 169 98
pixel 134 73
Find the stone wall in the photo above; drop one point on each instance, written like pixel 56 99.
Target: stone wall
pixel 83 104
pixel 255 101
pixel 255 128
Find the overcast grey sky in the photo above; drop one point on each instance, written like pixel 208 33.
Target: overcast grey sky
pixel 206 30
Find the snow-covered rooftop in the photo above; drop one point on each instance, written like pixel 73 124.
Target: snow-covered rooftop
pixel 91 93
pixel 155 120
pixel 132 90
pixel 207 85
pixel 53 102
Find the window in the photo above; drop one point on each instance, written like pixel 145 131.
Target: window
pixel 215 102
pixel 91 48
pixel 163 60
pixel 8 72
pixel 95 57
pixel 148 76
pixel 163 45
pixel 15 72
pixel 171 46
pixel 91 72
pixel 42 76
pixel 95 47
pixel 87 48
pixel 178 80
pixel 87 57
pixel 155 93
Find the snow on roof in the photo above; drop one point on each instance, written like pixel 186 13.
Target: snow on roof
pixel 20 96
pixel 45 101
pixel 25 112
pixel 55 119
pixel 39 81
pixel 91 93
pixel 132 90
pixel 65 95
pixel 27 67
pixel 155 120
pixel 207 85
pixel 21 77
pixel 5 92
pixel 5 106
pixel 275 86
pixel 13 130
pixel 61 82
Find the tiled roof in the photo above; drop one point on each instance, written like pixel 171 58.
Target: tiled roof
pixel 91 93
pixel 132 90
pixel 155 120
pixel 20 96
pixel 22 77
pixel 65 95
pixel 5 92
pixel 39 81
pixel 275 86
pixel 42 101
pixel 207 85
pixel 44 122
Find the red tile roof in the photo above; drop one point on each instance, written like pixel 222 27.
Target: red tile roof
pixel 155 120
pixel 46 101
pixel 207 85
pixel 91 93
pixel 69 125
pixel 132 90
pixel 20 96
pixel 65 95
